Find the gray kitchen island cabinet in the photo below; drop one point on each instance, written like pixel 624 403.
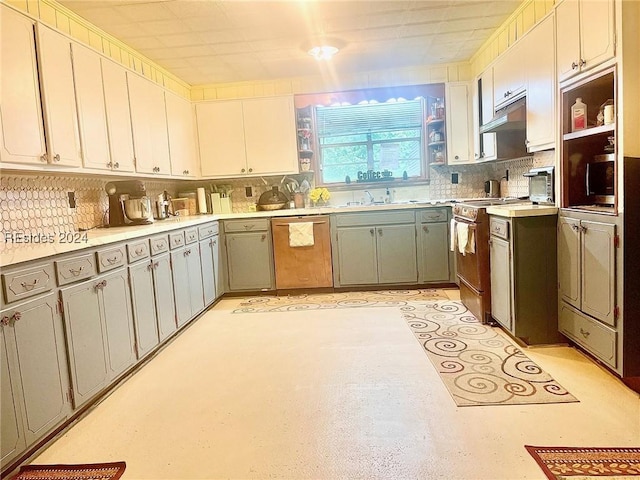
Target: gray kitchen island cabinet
pixel 35 381
pixel 524 277
pixel 99 329
pixel 249 255
pixel 375 248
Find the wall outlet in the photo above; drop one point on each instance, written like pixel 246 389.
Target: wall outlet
pixel 248 192
pixel 506 175
pixel 455 178
pixel 72 199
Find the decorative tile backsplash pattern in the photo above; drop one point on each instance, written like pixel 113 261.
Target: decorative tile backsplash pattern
pixel 38 203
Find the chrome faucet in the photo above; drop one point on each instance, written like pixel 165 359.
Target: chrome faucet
pixel 371 200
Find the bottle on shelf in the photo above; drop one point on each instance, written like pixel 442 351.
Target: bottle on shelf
pixel 578 115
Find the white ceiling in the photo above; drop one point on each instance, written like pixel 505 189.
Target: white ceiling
pixel 219 41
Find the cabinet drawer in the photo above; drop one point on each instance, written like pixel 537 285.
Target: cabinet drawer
pixel 499 227
pixel 75 268
pixel 253 225
pixel 595 337
pixel 27 282
pixel 111 258
pixel 208 230
pixel 159 244
pixel 375 219
pixel 433 215
pixel 191 235
pixel 176 240
pixel 138 250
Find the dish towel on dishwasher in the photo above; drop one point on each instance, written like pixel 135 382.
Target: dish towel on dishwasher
pixel 466 238
pixel 453 236
pixel 301 234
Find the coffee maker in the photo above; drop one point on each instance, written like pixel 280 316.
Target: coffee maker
pixel 128 203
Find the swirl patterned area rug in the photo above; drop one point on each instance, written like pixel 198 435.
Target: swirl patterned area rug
pixel 315 301
pixel 479 364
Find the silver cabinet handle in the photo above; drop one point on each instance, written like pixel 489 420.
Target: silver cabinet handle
pixel 57 157
pixel 425 229
pixel 379 232
pixel 242 171
pixel 116 165
pixel 29 286
pixel 43 158
pixel 583 62
pixel 5 320
pixel 574 65
pixel 139 251
pixel 250 170
pixel 248 227
pixel 150 266
pixel 101 285
pixel 112 260
pixel 372 231
pixel 584 333
pixel 77 271
pixel 263 238
pixel 110 164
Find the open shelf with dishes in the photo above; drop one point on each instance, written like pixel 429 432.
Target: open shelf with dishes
pixel 436 131
pixel 588 147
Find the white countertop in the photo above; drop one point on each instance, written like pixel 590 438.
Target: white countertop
pixel 522 210
pixel 33 246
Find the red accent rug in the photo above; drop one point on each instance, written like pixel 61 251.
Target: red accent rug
pixel 87 471
pixel 559 463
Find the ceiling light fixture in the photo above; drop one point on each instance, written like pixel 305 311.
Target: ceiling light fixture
pixel 323 52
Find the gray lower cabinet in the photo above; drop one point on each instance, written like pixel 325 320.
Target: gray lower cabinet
pixel 434 253
pixel 524 277
pixel 209 256
pixel 35 382
pixel 249 255
pixel 187 283
pixel 144 307
pixel 164 299
pixel 99 329
pixel 375 248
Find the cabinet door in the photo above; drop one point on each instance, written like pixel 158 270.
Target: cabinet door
pixel 208 273
pixel 144 311
pixel 488 150
pixel 598 271
pixel 196 287
pixel 21 122
pixel 567 38
pixel 458 123
pixel 270 135
pixel 397 251
pixel 149 123
pixel 59 101
pixel 116 97
pixel 180 273
pixel 434 250
pixel 500 265
pixel 569 260
pixel 86 340
pixel 509 75
pixel 249 261
pixel 182 138
pixel 597 32
pixel 42 365
pixel 221 138
pixel 217 272
pixel 539 48
pixel 92 117
pixel 165 304
pixel 12 441
pixel 116 305
pixel 357 256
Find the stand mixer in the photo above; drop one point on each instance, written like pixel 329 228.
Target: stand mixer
pixel 128 203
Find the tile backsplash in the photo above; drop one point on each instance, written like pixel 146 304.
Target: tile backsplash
pixel 38 202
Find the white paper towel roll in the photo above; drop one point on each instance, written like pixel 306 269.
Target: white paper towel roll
pixel 202 201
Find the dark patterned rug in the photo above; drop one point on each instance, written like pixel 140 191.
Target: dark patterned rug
pixel 89 471
pixel 559 463
pixel 479 364
pixel 320 301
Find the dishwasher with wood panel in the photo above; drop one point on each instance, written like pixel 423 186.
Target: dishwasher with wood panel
pixel 302 266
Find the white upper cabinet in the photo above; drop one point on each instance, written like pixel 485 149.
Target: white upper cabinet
pixel 182 137
pixel 270 135
pixel 509 75
pixel 87 71
pixel 585 35
pixel 487 150
pixel 247 137
pixel 458 123
pixel 221 138
pixel 541 119
pixel 116 97
pixel 21 123
pixel 58 97
pixel 149 123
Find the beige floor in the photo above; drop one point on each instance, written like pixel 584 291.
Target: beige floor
pixel 340 394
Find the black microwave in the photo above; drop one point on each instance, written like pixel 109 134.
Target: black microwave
pixel 601 179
